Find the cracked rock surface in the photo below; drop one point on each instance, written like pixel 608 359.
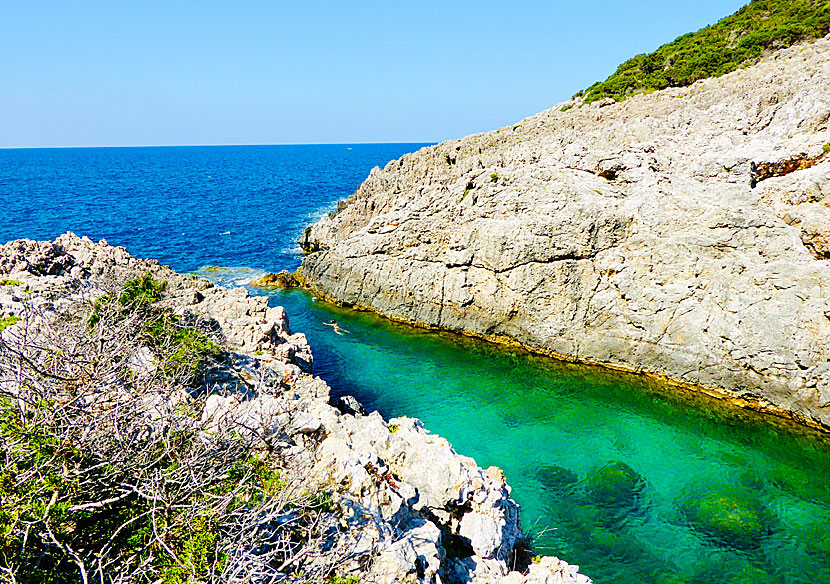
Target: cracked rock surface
pixel 683 233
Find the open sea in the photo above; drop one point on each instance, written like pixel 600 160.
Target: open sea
pixel 634 484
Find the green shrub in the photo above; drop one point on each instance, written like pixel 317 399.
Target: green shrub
pixel 10 283
pixel 178 345
pixel 7 322
pixel 343 580
pixel 142 291
pixel 135 294
pixel 717 49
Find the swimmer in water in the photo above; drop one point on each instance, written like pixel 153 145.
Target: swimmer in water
pixel 333 324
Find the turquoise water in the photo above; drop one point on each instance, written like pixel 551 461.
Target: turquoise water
pixel 633 483
pixel 529 415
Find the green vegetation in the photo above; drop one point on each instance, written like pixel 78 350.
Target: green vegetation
pixel 826 148
pixel 494 177
pixel 180 346
pixel 6 282
pixel 50 514
pixel 109 472
pixel 7 322
pixel 136 294
pixel 342 580
pixel 141 291
pixel 718 49
pixel 183 347
pixel 565 108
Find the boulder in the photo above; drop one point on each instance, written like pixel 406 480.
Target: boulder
pixel 731 517
pixel 615 486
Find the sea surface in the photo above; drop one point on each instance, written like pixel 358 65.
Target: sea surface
pixel 634 483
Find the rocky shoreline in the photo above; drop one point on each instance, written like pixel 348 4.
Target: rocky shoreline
pixel 406 506
pixel 681 234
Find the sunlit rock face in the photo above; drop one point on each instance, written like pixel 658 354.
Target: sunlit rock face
pixel 682 233
pixel 399 504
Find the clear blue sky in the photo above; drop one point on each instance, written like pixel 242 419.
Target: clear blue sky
pixel 255 72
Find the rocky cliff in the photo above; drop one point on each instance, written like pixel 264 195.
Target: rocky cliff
pixel 684 233
pixel 398 503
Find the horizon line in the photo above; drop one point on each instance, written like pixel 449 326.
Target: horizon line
pixel 215 145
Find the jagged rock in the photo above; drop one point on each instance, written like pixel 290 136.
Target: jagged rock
pixel 415 557
pixel 549 570
pixel 349 405
pixel 678 233
pixel 397 490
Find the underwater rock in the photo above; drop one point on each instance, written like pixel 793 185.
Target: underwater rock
pixel 556 479
pixel 733 567
pixel 615 486
pixel 730 516
pixel 817 540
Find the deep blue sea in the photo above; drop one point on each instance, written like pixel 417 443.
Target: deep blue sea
pixel 185 206
pixel 634 483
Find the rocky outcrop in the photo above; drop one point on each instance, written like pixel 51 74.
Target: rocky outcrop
pixel 681 233
pixel 405 507
pixel 283 279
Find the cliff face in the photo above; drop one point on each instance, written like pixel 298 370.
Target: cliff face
pixel 683 233
pixel 402 506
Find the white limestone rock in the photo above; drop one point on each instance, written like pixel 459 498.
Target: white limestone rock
pixel 399 490
pixel 684 233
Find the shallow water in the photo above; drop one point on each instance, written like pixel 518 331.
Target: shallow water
pixel 550 426
pixel 633 483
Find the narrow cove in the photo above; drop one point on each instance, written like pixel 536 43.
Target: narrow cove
pixel 547 424
pixel 633 483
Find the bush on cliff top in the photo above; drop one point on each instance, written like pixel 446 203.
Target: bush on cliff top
pixel 717 49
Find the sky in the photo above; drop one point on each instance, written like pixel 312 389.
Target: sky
pixel 270 72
